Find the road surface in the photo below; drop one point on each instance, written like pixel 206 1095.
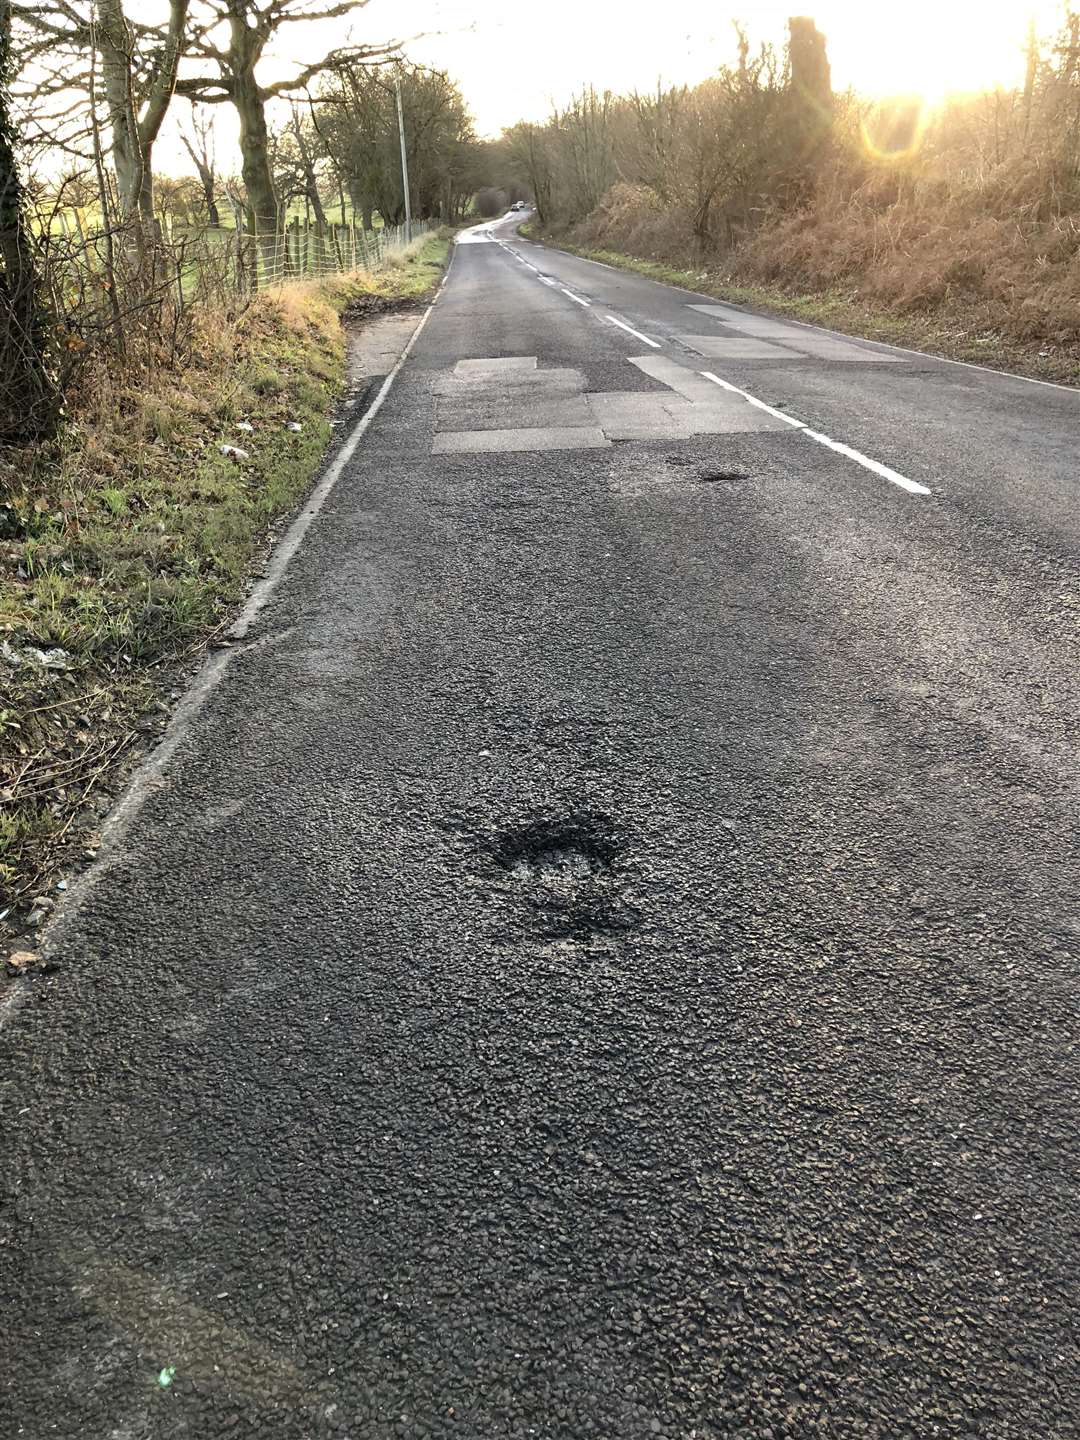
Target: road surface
pixel 598 957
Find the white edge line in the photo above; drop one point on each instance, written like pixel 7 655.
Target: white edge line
pixel 903 349
pixel 636 333
pixel 911 486
pixel 287 547
pixel 576 298
pixel 821 329
pixel 150 773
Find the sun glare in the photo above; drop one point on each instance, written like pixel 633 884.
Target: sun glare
pixel 932 50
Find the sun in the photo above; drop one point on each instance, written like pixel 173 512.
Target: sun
pixel 933 50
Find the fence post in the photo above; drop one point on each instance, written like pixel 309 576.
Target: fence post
pixel 256 278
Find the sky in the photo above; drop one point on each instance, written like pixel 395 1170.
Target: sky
pixel 513 61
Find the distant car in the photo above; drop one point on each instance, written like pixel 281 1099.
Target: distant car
pixel 518 205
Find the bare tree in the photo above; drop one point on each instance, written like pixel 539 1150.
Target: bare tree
pixel 137 63
pixel 248 27
pixel 308 169
pixel 357 129
pixel 490 201
pixel 649 144
pixel 585 139
pixel 200 146
pixel 530 152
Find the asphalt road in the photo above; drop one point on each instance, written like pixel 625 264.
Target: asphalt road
pixel 599 957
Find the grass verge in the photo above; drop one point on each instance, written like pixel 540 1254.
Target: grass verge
pixel 126 545
pixel 957 331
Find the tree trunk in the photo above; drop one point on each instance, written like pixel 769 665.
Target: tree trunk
pixel 29 398
pixel 311 180
pixel 207 179
pixel 810 99
pixel 115 43
pixel 255 167
pixel 133 138
pixel 264 213
pixel 1030 70
pixel 209 188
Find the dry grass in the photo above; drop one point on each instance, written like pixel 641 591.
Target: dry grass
pixel 1021 281
pixel 630 219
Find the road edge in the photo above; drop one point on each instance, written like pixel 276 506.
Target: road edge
pixel 148 775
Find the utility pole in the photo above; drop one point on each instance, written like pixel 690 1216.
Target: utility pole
pixel 404 163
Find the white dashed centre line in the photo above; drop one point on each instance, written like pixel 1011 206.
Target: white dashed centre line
pixel 913 487
pixel 752 399
pixel 874 466
pixel 636 333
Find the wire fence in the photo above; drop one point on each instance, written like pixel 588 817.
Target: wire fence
pixel 300 251
pixel 72 291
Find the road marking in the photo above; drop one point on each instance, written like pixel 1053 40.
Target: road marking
pixel 636 333
pixel 874 466
pixel 503 245
pixel 752 399
pixel 547 279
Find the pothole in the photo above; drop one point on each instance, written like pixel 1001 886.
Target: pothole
pixel 580 843
pixel 565 869
pixel 715 477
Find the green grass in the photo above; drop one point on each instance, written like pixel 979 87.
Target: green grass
pixel 412 273
pixel 130 542
pixel 951 333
